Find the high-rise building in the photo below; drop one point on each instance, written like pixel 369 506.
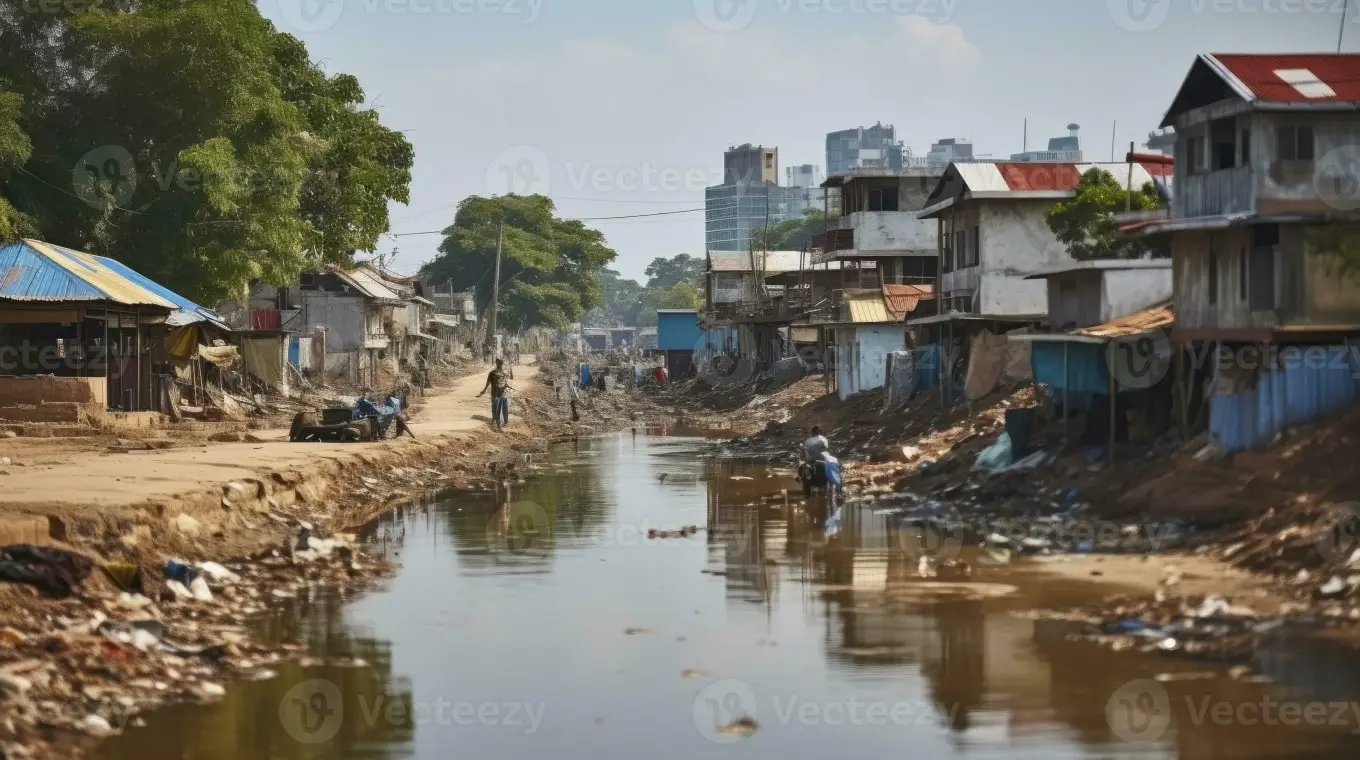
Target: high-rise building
pixel 1060 149
pixel 750 164
pixel 948 150
pixel 803 175
pixel 875 147
pixel 749 198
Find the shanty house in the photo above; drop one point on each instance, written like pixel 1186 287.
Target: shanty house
pixel 878 231
pixel 80 334
pixel 1085 293
pixel 1262 236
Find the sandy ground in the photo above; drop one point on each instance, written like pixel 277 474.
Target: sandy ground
pixel 80 473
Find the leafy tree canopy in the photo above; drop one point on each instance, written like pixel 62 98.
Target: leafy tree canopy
pixel 190 140
pixel 1085 222
pixel 663 273
pixel 550 267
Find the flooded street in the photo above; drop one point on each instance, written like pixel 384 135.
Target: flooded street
pixel 553 626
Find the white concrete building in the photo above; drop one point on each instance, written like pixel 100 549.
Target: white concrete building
pixel 993 233
pixel 1086 293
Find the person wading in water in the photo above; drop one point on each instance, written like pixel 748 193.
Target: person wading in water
pixel 499 383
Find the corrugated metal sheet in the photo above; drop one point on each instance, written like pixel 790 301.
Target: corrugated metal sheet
pixel 35 271
pixel 1159 317
pixel 1296 394
pixel 1257 74
pixel 369 283
pixel 901 300
pixel 995 179
pixel 868 309
pixel 187 313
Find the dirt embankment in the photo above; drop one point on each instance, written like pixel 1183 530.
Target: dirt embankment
pixel 275 517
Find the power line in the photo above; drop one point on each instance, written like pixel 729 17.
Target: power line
pixel 577 219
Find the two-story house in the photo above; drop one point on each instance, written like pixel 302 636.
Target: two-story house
pixel 1263 235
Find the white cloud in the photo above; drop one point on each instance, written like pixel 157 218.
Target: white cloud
pixel 945 43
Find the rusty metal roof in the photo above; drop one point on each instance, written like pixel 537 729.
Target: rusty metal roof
pixel 902 300
pixel 368 282
pixel 1157 317
pixel 1036 179
pixel 32 270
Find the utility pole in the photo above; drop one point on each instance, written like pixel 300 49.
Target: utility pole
pixel 496 283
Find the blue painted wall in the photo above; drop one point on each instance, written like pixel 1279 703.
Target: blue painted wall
pixel 678 332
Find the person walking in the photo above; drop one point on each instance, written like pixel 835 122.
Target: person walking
pixel 499 384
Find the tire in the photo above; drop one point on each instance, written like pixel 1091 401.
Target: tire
pixel 301 421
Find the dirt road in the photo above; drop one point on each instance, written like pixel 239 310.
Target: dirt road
pixel 85 477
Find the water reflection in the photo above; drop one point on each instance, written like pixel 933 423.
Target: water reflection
pixel 549 593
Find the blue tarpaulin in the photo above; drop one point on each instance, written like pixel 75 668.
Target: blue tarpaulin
pixel 927 366
pixel 1087 373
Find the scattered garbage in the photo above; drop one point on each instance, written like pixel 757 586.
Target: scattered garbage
pixel 54 572
pixel 996 457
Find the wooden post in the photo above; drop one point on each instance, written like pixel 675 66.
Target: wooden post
pixel 1114 406
pixel 1066 345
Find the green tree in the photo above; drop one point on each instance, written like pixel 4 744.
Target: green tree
pixel 681 295
pixel 191 140
pixel 791 234
pixel 1085 222
pixel 15 148
pixel 663 273
pixel 550 267
pixel 621 301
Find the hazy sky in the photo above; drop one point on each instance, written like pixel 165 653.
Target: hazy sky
pixel 617 107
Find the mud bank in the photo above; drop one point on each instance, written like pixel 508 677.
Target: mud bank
pixel 128 640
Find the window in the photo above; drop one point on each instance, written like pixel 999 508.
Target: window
pixel 946 249
pixel 1213 276
pixel 1245 145
pixel 1194 154
pixel 961 249
pixel 1261 294
pixel 1295 143
pixel 1242 275
pixel 977 245
pixel 1222 138
pixel 769 161
pixel 883 199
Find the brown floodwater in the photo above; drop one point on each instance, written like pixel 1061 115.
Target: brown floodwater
pixel 546 624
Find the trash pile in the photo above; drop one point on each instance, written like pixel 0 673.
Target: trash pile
pixel 110 642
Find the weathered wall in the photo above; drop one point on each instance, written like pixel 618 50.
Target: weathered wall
pixel 1074 299
pixel 343 317
pixel 40 389
pixel 862 356
pixel 1015 242
pixel 1126 291
pixel 892 232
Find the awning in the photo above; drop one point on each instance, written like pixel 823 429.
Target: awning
pixel 423 336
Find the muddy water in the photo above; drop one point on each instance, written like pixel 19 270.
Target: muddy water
pixel 550 626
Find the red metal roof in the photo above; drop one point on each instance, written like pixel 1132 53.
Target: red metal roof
pixel 1157 164
pixel 1257 73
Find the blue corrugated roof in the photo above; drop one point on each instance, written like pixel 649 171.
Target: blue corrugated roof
pixel 188 313
pixel 32 271
pixel 26 274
